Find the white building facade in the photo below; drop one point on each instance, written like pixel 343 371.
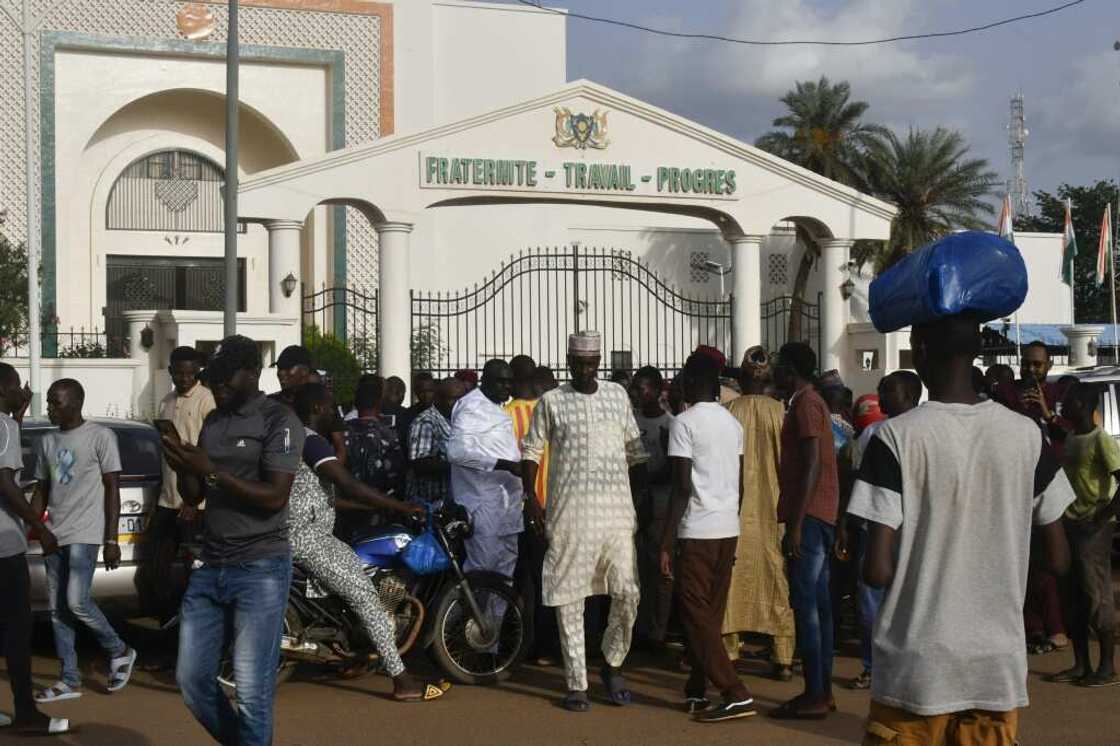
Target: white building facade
pixel 357 121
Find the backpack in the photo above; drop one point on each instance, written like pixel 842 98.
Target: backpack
pixel 374 454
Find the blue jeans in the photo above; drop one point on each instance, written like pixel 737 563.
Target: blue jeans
pixel 870 599
pixel 242 604
pixel 69 577
pixel 812 604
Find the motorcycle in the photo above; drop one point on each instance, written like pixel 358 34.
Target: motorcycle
pixel 473 624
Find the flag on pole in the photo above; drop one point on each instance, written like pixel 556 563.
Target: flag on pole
pixel 1004 227
pixel 1069 248
pixel 1104 249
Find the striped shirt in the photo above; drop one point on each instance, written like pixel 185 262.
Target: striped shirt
pixel 427 438
pixel 521 411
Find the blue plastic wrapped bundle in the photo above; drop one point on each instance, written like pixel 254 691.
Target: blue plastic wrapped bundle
pixel 971 272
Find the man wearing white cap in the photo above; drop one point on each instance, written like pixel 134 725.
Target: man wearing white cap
pixel 593 443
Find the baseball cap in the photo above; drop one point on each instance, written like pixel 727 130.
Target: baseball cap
pixel 293 356
pixel 867 411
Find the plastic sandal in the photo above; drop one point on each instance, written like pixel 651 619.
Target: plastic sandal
pixel 617 691
pixel 120 670
pixel 57 692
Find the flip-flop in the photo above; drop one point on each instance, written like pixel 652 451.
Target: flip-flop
pixel 617 691
pixel 1063 677
pixel 53 727
pixel 791 711
pixel 576 702
pixel 431 691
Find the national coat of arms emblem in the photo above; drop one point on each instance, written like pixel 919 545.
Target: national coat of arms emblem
pixel 581 131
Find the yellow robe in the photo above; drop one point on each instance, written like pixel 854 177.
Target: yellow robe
pixel 758 600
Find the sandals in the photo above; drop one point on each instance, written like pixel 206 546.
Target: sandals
pixel 120 670
pixel 576 702
pixel 617 691
pixel 791 710
pixel 863 681
pixel 1069 676
pixel 59 691
pixel 431 692
pixel 42 726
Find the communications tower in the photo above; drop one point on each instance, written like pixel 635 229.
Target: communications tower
pixel 1017 139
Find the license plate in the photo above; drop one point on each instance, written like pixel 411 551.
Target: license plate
pixel 130 527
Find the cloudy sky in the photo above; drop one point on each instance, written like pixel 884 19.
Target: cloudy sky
pixel 1064 64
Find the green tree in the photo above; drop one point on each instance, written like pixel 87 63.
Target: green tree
pixel 332 355
pixel 13 293
pixel 1087 204
pixel 824 131
pixel 936 186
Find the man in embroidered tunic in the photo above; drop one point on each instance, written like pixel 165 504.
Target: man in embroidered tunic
pixel 589 520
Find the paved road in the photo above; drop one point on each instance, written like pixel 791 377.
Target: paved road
pixel 310 710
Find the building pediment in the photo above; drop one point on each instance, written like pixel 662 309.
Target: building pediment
pixel 583 143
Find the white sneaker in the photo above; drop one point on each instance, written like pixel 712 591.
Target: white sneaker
pixel 120 670
pixel 59 691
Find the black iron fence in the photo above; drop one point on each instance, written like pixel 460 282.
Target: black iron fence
pixel 74 343
pixel 532 302
pixel 789 319
pixel 346 313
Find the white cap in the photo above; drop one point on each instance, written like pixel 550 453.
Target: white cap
pixel 585 343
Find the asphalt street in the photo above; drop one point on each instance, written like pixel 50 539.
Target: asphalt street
pixel 315 709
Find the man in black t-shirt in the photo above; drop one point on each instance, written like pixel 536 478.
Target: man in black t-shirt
pixel 248 453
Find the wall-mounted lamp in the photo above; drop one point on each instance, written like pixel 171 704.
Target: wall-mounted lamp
pixel 847 289
pixel 288 285
pixel 147 338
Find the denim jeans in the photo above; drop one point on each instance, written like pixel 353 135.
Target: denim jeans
pixel 69 577
pixel 870 599
pixel 812 604
pixel 242 604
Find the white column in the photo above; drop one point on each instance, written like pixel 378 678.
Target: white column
pixel 283 259
pixel 394 315
pixel 746 292
pixel 144 394
pixel 834 311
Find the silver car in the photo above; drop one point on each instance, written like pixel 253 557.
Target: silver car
pixel 140 482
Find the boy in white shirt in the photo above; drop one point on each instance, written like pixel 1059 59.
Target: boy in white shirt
pixel 705 449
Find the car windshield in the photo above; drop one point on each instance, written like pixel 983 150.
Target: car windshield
pixel 139 449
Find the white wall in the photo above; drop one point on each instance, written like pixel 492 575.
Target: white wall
pixel 104 122
pixel 487 55
pixel 108 383
pixel 1048 298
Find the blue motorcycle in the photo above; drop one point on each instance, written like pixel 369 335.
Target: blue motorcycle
pixel 473 624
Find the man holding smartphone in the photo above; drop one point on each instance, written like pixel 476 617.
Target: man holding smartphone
pixel 182 411
pixel 243 466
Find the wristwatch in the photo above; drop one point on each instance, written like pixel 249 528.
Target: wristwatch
pixel 211 480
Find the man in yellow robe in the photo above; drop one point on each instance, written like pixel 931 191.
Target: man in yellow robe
pixel 758 600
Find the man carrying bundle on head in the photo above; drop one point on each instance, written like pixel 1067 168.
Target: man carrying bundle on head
pixel 950 490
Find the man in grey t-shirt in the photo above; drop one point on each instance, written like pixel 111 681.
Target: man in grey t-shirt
pixel 16 516
pixel 951 490
pixel 248 453
pixel 79 483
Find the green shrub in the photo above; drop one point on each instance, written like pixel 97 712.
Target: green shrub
pixel 331 354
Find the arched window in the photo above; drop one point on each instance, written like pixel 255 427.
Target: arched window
pixel 173 190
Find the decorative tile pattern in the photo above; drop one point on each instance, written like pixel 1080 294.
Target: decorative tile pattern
pixel 356 33
pixel 697 272
pixel 778 270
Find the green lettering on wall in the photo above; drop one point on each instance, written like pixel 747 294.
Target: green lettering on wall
pixel 531 174
pixel 730 183
pixel 662 178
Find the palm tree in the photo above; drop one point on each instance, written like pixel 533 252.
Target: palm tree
pixel 825 132
pixel 822 132
pixel 935 185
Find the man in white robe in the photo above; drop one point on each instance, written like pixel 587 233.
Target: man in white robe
pixel 485 471
pixel 593 442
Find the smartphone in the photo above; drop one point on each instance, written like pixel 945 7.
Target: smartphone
pixel 167 429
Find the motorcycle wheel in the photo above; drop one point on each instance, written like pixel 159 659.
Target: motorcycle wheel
pixel 285 668
pixel 458 645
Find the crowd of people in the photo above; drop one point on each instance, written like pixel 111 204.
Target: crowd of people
pixel 731 501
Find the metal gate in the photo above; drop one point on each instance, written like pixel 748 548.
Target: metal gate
pixel 348 314
pixel 787 319
pixel 533 301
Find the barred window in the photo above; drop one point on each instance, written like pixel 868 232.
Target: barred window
pixel 778 270
pixel 173 190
